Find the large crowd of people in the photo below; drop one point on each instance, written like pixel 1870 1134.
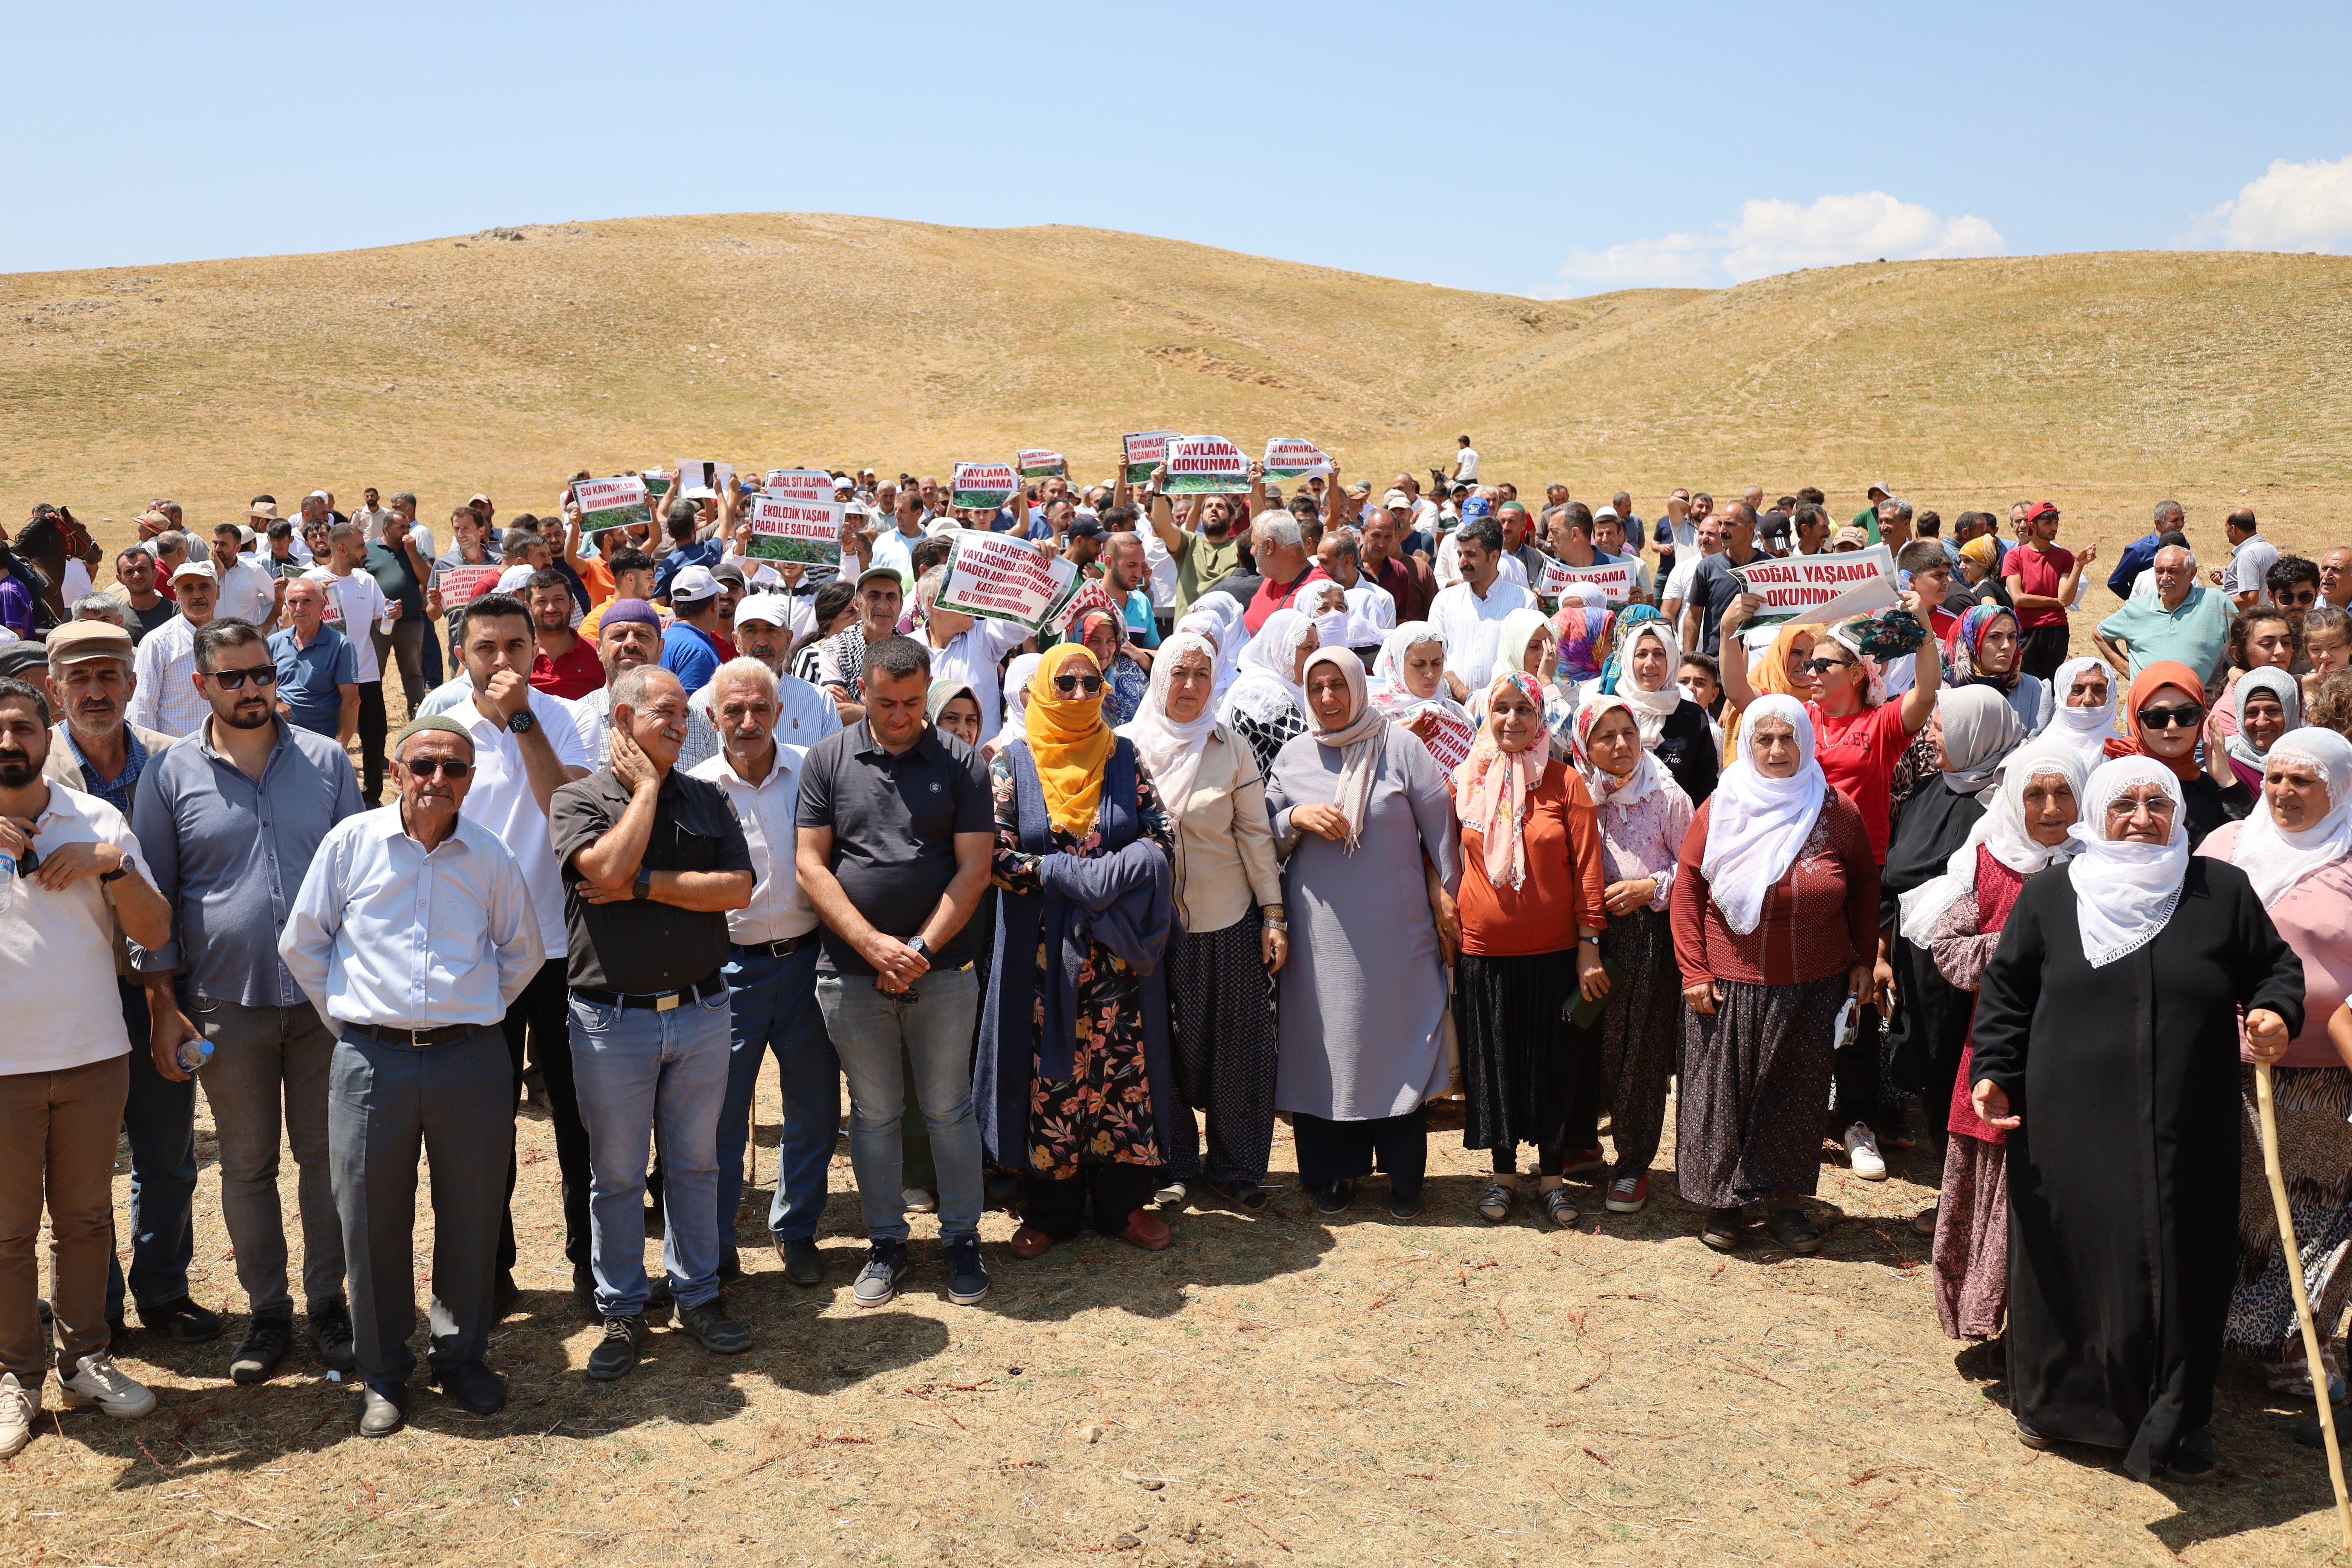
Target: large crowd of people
pixel 1346 809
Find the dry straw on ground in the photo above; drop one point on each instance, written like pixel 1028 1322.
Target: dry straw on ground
pixel 1273 1389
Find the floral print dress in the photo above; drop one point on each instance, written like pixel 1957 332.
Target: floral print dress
pixel 1102 1115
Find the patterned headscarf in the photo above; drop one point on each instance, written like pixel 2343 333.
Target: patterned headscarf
pixel 1491 787
pixel 1962 663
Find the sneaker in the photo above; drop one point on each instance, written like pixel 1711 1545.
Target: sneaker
pixel 330 1336
pixel 804 1264
pixel 1585 1162
pixel 708 1325
pixel 1628 1194
pixel 18 1409
pixel 967 1275
pixel 264 1346
pixel 917 1200
pixel 183 1321
pixel 1862 1153
pixel 1171 1196
pixel 616 1352
pixel 95 1380
pixel 878 1282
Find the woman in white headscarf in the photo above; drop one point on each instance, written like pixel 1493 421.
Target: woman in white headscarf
pixel 2296 849
pixel 2267 704
pixel 1226 635
pixel 1776 924
pixel 1958 919
pixel 1267 703
pixel 1526 645
pixel 2084 719
pixel 1229 902
pixel 1672 726
pixel 2103 1046
pixel 1408 684
pixel 1016 699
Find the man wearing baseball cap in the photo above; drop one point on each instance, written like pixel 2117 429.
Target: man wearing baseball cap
pixel 695 644
pixel 841 658
pixel 1866 518
pixel 165 698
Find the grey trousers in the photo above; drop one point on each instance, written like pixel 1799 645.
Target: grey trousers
pixel 269 1074
pixel 456 1102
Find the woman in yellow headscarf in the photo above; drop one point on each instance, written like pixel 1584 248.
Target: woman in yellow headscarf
pixel 1073 1083
pixel 1782 670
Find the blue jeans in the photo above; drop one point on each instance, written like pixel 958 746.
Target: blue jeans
pixel 160 1121
pixel 773 1003
pixel 643 1074
pixel 869 1028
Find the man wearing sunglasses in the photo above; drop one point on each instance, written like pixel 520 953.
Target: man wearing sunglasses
pixel 230 820
pixel 2183 620
pixel 412 935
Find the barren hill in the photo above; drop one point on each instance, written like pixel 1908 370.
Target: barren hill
pixel 506 362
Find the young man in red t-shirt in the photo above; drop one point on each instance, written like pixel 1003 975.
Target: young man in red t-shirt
pixel 2046 578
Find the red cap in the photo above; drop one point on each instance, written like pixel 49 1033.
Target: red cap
pixel 2041 510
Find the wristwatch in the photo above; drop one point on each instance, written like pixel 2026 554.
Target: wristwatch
pixel 128 866
pixel 522 721
pixel 916 944
pixel 645 885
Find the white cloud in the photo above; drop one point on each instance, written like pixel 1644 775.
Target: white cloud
pixel 1770 236
pixel 2292 207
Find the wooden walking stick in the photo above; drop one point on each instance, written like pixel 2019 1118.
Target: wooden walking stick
pixel 2311 1359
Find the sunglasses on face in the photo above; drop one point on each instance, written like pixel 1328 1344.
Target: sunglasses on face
pixel 1823 666
pixel 450 768
pixel 2302 601
pixel 262 675
pixel 2169 718
pixel 1070 685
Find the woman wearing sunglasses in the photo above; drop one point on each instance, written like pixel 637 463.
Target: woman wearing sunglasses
pixel 2165 711
pixel 1074 1083
pixel 1361 809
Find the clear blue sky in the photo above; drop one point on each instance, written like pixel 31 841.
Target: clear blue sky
pixel 1484 146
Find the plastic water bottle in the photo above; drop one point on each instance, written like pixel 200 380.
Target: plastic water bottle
pixel 194 1054
pixel 7 881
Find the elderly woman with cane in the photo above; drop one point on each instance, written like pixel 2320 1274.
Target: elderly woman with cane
pixel 2119 981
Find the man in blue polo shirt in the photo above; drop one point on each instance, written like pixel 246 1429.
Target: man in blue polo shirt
pixel 2140 553
pixel 318 668
pixel 693 648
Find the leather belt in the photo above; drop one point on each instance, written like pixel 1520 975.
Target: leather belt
pixel 659 1001
pixel 414 1040
pixel 784 949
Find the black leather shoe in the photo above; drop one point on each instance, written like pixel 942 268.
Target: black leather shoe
pixel 381 1414
pixel 803 1265
pixel 183 1321
pixel 1335 1198
pixel 473 1388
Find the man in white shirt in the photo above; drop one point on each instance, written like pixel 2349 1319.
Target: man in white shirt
pixel 1447 568
pixel 370 516
pixel 1465 462
pixel 804 714
pixel 412 933
pixel 65 1069
pixel 247 592
pixel 2246 578
pixel 1469 615
pixel 968 649
pixel 894 545
pixel 771 972
pixel 1709 538
pixel 355 607
pixel 166 697
pixel 526 745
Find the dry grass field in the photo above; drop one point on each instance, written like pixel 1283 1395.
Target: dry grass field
pixel 1277 1390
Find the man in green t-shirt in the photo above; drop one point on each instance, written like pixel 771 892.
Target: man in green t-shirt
pixel 1866 518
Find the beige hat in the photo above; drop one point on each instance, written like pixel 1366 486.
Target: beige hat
pixel 151 518
pixel 267 511
pixel 78 640
pixel 1396 498
pixel 195 566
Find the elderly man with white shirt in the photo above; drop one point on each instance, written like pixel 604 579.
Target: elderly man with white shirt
pixel 412 935
pixel 771 970
pixel 1468 616
pixel 165 698
pixel 763 630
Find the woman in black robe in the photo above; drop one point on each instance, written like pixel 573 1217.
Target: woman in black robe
pixel 1974 731
pixel 2105 1042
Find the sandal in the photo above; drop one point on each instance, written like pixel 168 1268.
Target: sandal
pixel 1792 1230
pixel 1244 1193
pixel 1924 1222
pixel 1495 1203
pixel 1560 1208
pixel 1029 1243
pixel 1722 1228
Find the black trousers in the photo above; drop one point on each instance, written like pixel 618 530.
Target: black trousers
pixel 371 730
pixel 2041 649
pixel 1059 1208
pixel 1858 1070
pixel 539 1022
pixel 1332 1151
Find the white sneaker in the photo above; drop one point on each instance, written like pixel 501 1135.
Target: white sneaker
pixel 917 1200
pixel 95 1380
pixel 16 1412
pixel 1862 1153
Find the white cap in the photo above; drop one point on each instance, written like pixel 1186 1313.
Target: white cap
pixel 512 580
pixel 1605 512
pixel 767 607
pixel 692 585
pixel 195 566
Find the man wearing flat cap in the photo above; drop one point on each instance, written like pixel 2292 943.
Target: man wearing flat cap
pixel 412 933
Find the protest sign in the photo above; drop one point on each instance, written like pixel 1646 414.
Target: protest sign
pixel 1824 588
pixel 611 503
pixel 812 485
pixel 1615 579
pixel 1206 466
pixel 1144 452
pixel 657 482
pixel 716 477
pixel 1002 578
pixel 1037 463
pixel 1090 596
pixel 984 486
pixel 790 530
pixel 1447 735
pixel 1287 458
pixel 463 584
